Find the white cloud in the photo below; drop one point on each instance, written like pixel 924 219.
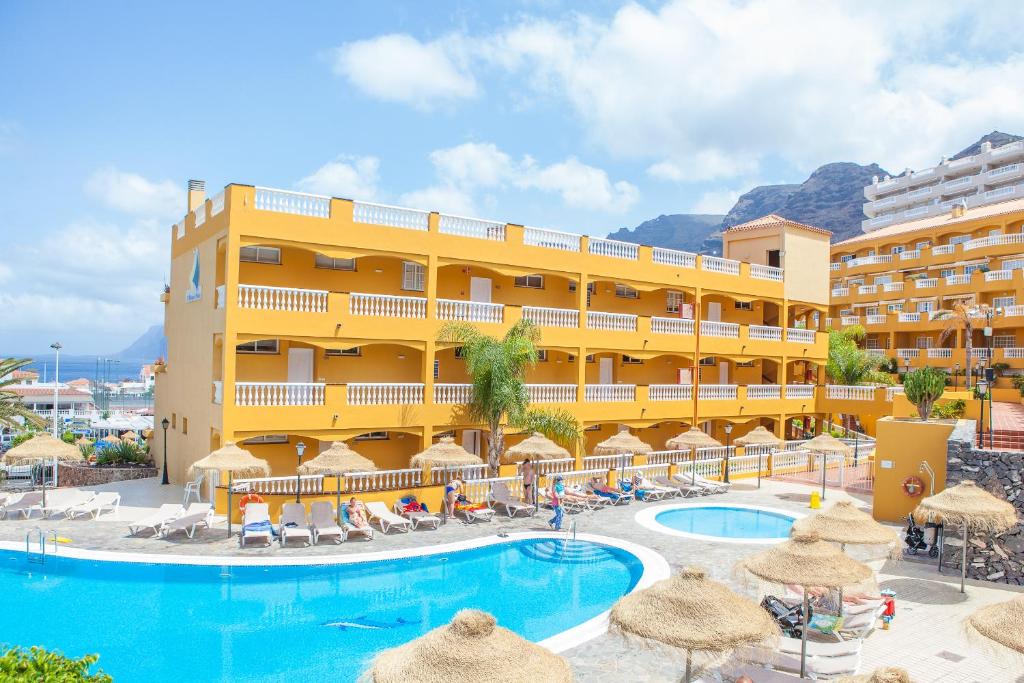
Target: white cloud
pixel 716 201
pixel 134 194
pixel 399 68
pixel 706 164
pixel 348 177
pixel 445 198
pixel 583 186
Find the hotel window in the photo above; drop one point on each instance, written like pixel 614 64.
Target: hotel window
pixel 437 368
pixel 572 358
pixel 947 272
pixel 271 255
pixel 626 292
pixel 673 302
pixel 898 250
pixel 269 438
pixel 883 279
pixel 923 245
pixel 925 306
pixel 373 436
pixel 529 281
pixel 871 343
pixel 542 355
pixel 1004 341
pixel 971 268
pixel 258 346
pixel 896 308
pixel 959 239
pixel 630 360
pixel 924 342
pixel 414 276
pixel 844 259
pixel 322 261
pixel 744 305
pixel 1013 264
pixel 354 351
pixel 590 358
pixel 710 360
pixel 1003 301
pixel 184 425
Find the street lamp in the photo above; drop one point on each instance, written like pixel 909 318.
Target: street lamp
pixel 56 346
pixel 728 433
pixel 983 388
pixel 165 423
pixel 300 448
pixel 956 371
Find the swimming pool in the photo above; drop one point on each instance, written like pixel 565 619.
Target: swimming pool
pixel 227 622
pixel 725 523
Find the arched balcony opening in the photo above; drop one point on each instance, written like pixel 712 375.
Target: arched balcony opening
pixel 626 298
pixel 458 282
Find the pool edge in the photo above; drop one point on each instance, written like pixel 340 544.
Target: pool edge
pixel 646 519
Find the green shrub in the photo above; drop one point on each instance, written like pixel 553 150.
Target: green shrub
pixel 1018 383
pixel 35 665
pixel 1000 368
pixel 122 453
pixel 951 410
pixel 68 437
pixel 21 438
pixel 88 449
pixel 924 387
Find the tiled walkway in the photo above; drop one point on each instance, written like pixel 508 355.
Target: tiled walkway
pixel 1009 416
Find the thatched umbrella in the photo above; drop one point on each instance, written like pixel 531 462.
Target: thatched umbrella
pixel 844 523
pixel 337 460
pixel 111 439
pixel 1001 623
pixel 237 462
pixel 690 612
pixel 973 509
pixel 825 444
pixel 537 446
pixel 622 443
pixel 474 648
pixel 758 436
pixel 887 674
pixel 42 446
pixel 806 560
pixel 691 440
pixel 444 453
pixel 82 441
pixel 129 436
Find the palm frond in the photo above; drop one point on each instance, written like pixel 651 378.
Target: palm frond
pixel 559 425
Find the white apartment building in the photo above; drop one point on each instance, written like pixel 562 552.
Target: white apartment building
pixel 994 174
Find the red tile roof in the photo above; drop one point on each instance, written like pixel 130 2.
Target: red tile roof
pixel 774 220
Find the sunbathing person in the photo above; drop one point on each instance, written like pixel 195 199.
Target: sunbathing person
pixel 357 514
pixel 597 487
pixel 462 504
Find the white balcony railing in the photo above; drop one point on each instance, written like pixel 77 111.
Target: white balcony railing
pixel 892 287
pixel 713 328
pixel 849 320
pixel 552 239
pixel 799 391
pixel 998 275
pixel 471 227
pixel 759 272
pixel 890 392
pixel 384 393
pixel 387 305
pixel 670 392
pixel 926 283
pixel 801 336
pixel 618 393
pixel 470 311
pixel 940 353
pixel 714 264
pixel 613 248
pixel 392 216
pixel 958 280
pixel 552 317
pixel 383 480
pixel 297 203
pixel 910 255
pixel 909 317
pixel 443 475
pixel 842 392
pixel 1007 170
pixel 841 291
pixel 308 484
pixel 907 354
pixel 1013 352
pixel 867 289
pixel 615 322
pixel 551 393
pixel 835 266
pixel 1003 191
pixel 447 394
pixel 279 394
pixel 994 241
pixel 1013 310
pixel 671 325
pixel 959 182
pixel 764 332
pixel 673 257
pixel 763 392
pixel 981 352
pixel 282 299
pixel 716 392
pixel 943 249
pixel 876 319
pixel 872 260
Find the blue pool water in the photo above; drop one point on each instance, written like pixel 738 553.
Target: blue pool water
pixel 162 622
pixel 727 522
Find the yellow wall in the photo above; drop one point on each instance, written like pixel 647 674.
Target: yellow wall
pixel 900 447
pixel 806 261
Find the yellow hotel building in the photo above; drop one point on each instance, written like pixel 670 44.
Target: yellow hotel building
pixel 298 317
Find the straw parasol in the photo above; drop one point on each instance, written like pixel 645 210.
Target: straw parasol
pixel 537 446
pixel 691 440
pixel 82 441
pixel 806 560
pixel 42 446
pixel 973 509
pixel 622 443
pixel 474 648
pixel 147 434
pixel 887 674
pixel 826 443
pixel 844 523
pixel 129 436
pixel 444 453
pixel 758 436
pixel 690 612
pixel 1001 623
pixel 338 459
pixel 230 458
pixel 111 438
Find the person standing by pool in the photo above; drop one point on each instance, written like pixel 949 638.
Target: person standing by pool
pixel 556 503
pixel 451 495
pixel 529 478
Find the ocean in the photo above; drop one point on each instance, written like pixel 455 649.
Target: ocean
pixel 89 367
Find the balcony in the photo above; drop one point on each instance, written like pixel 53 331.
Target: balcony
pixel 926 283
pixel 876 319
pixel 872 260
pixel 551 239
pixel 940 353
pixel 847 320
pixel 840 291
pixel 1006 172
pixel 279 394
pixel 717 392
pixel 801 336
pixel 614 248
pixel 711 328
pixel 674 257
pixel 760 272
pixel 552 317
pixel 954 280
pixel 470 311
pixel 266 298
pixel 613 322
pixel 605 393
pixel 385 393
pixel 764 333
pixel 998 275
pixel 943 249
pixel 841 392
pixel 672 326
pixel 764 392
pixel 714 264
pixel 387 305
pixel 908 354
pixel 670 392
pixel 867 289
pixel 910 255
pixel 959 183
pixel 892 287
pixel 994 241
pixel 799 391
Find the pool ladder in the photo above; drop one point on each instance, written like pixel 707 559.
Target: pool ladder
pixel 570 532
pixel 37 533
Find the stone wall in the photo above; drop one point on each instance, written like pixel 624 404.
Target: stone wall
pixel 999 472
pixel 79 475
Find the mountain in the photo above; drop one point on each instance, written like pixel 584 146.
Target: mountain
pixel 150 346
pixel 997 138
pixel 685 231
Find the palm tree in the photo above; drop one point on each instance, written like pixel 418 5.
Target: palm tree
pixel 11 407
pixel 961 317
pixel 850 365
pixel 497 370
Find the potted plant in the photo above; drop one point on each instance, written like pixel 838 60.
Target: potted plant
pixel 159 365
pixel 165 296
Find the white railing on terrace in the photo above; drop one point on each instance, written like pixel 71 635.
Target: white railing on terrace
pixel 994 240
pixel 1007 148
pixel 981 352
pixel 908 353
pixel 217 204
pixel 713 328
pixel 607 462
pixel 850 320
pixel 618 393
pixel 384 393
pixel 471 227
pixel 835 266
pixel 799 391
pixel 959 182
pixel 876 319
pixel 544 467
pixel 715 264
pixel 1003 191
pixel 479 489
pixel 392 216
pixel 179 230
pixel 716 392
pixel 387 305
pixel 943 249
pixel 869 260
pixel 1004 170
pixel 1013 310
pixel 998 275
pixel 552 239
pixel 453 393
pixel 909 317
pixel 266 298
pixel 761 272
pixel 200 214
pixel 649 471
pixel 577 477
pixel 764 332
pixel 673 257
pixel 801 336
pixel 867 289
pixel 298 203
pixel 616 322
pixel 383 480
pixel 552 317
pixel 279 393
pixel 940 353
pixel 710 468
pixel 892 391
pixel 551 393
pixel 920 192
pixel 670 392
pixel 443 475
pixel 613 248
pixel 841 291
pixel 1013 352
pixel 958 280
pixel 672 325
pixel 761 392
pixel 926 283
pixel 470 311
pixel 842 392
pixel 310 484
pixel 892 287
pixel 666 457
pixel 910 255
pixel 218 391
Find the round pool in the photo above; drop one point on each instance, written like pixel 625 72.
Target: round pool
pixel 720 522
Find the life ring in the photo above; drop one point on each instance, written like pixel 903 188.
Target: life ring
pixel 912 486
pixel 249 498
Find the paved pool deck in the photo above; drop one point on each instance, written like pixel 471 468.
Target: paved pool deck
pixel 927 636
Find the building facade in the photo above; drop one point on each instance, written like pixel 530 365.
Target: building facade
pixel 294 317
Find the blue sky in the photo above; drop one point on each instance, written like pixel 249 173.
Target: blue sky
pixel 533 112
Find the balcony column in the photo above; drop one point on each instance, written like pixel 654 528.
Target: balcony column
pixel 580 449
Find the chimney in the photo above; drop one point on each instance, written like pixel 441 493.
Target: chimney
pixel 959 209
pixel 196 194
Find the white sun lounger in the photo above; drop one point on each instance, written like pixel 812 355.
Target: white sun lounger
pixel 823 659
pixel 26 504
pixel 197 514
pixel 387 519
pixel 256 512
pixel 294 514
pixel 480 515
pixel 418 517
pixel 323 522
pixel 109 501
pixel 350 528
pixel 59 501
pixel 569 505
pixel 665 491
pixel 500 495
pixel 685 489
pixel 153 522
pixel 591 501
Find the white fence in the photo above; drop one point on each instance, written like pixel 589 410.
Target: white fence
pixel 614 248
pixel 671 325
pixel 716 392
pixel 471 227
pixel 383 480
pixel 802 336
pixel 551 393
pixel 607 462
pixel 763 392
pixel 799 391
pixel 760 272
pixel 551 317
pixel 306 484
pixel 670 392
pixel 279 394
pixel 387 305
pixel 764 332
pixel 470 311
pixel 297 203
pixel 714 264
pixel 384 393
pixel 712 328
pixel 842 392
pixel 443 475
pixel 552 239
pixel 393 216
pixel 615 322
pixel 609 392
pixel 453 393
pixel 282 299
pixel 672 257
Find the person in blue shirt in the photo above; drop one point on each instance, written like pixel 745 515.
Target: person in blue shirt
pixel 556 503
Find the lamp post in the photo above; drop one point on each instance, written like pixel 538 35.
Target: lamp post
pixel 956 371
pixel 728 434
pixel 56 346
pixel 983 388
pixel 165 423
pixel 300 448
